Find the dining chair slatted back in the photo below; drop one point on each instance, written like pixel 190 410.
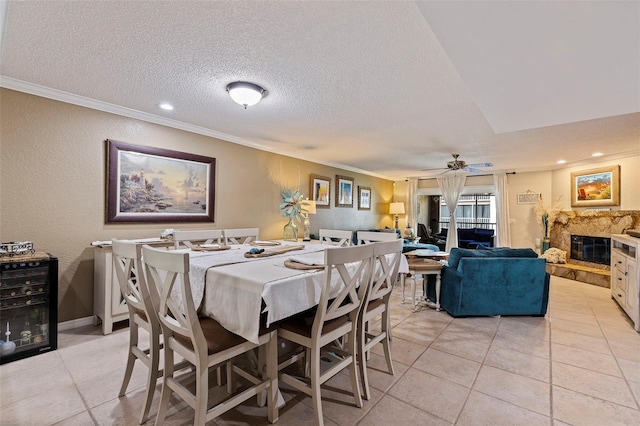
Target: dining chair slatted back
pixel 203 342
pixel 387 259
pixel 335 237
pixel 240 235
pixel 367 237
pixel 128 266
pixel 330 331
pixel 190 238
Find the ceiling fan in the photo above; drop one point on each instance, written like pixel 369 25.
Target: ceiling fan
pixel 456 165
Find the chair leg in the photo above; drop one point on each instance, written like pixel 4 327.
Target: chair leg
pixel 220 378
pixel 231 378
pixel 272 375
pixel 202 393
pixel 261 366
pixel 316 396
pixel 353 369
pixel 166 391
pixel 131 358
pixel 366 331
pixel 307 365
pixel 362 361
pixel 152 378
pixel 386 341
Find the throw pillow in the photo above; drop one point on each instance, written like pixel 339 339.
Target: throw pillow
pixel 555 255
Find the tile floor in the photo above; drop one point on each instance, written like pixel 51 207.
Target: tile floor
pixel 579 365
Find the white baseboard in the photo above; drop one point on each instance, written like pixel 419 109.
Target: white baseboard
pixel 76 323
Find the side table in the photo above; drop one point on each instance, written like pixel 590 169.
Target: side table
pixel 422 266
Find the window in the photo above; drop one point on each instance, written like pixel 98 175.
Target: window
pixel 475 210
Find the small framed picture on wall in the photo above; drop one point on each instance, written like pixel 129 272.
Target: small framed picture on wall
pixel 320 191
pixel 364 198
pixel 344 191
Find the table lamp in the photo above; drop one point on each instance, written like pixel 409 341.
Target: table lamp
pixel 396 209
pixel 310 208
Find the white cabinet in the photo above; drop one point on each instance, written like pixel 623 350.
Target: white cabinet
pixel 625 275
pixel 109 306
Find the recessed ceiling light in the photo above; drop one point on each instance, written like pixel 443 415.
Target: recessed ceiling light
pixel 165 106
pixel 562 161
pixel 597 154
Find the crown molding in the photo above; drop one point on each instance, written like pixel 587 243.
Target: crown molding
pixel 70 98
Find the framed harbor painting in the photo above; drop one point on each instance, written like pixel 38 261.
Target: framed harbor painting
pixel 596 187
pixel 320 191
pixel 146 184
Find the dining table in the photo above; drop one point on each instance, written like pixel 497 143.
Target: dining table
pixel 425 262
pixel 244 292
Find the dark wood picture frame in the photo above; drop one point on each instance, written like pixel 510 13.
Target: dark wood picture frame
pixel 154 185
pixel 344 191
pixel 320 191
pixel 364 198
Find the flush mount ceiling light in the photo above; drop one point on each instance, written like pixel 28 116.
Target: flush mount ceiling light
pixel 245 93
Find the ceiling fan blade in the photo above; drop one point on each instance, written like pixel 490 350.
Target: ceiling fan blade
pixel 480 165
pixel 437 168
pixel 472 170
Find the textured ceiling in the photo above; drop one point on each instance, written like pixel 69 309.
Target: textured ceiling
pixel 387 88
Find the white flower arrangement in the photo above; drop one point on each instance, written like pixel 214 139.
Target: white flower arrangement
pixel 547 215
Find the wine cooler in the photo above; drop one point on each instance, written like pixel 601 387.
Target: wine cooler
pixel 28 305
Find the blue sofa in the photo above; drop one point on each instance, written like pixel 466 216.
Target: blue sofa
pixel 494 281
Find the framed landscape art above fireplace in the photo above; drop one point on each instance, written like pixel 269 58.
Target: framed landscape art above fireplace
pixel 596 187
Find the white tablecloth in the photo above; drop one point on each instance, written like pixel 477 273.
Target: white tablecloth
pixel 201 261
pixel 234 293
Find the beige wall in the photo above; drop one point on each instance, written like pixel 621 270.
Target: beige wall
pixel 52 186
pixel 552 185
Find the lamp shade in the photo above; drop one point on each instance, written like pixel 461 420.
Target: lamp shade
pixel 310 208
pixel 245 93
pixel 396 208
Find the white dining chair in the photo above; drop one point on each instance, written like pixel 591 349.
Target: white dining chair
pixel 334 320
pixel 189 238
pixel 335 237
pixel 366 237
pixel 240 235
pixel 387 258
pixel 130 275
pixel 203 342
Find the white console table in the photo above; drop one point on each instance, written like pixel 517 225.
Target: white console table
pixel 109 306
pixel 625 275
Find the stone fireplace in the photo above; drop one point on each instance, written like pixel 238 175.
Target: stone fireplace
pixel 599 224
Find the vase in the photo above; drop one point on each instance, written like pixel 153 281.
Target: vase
pixel 546 244
pixel 290 231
